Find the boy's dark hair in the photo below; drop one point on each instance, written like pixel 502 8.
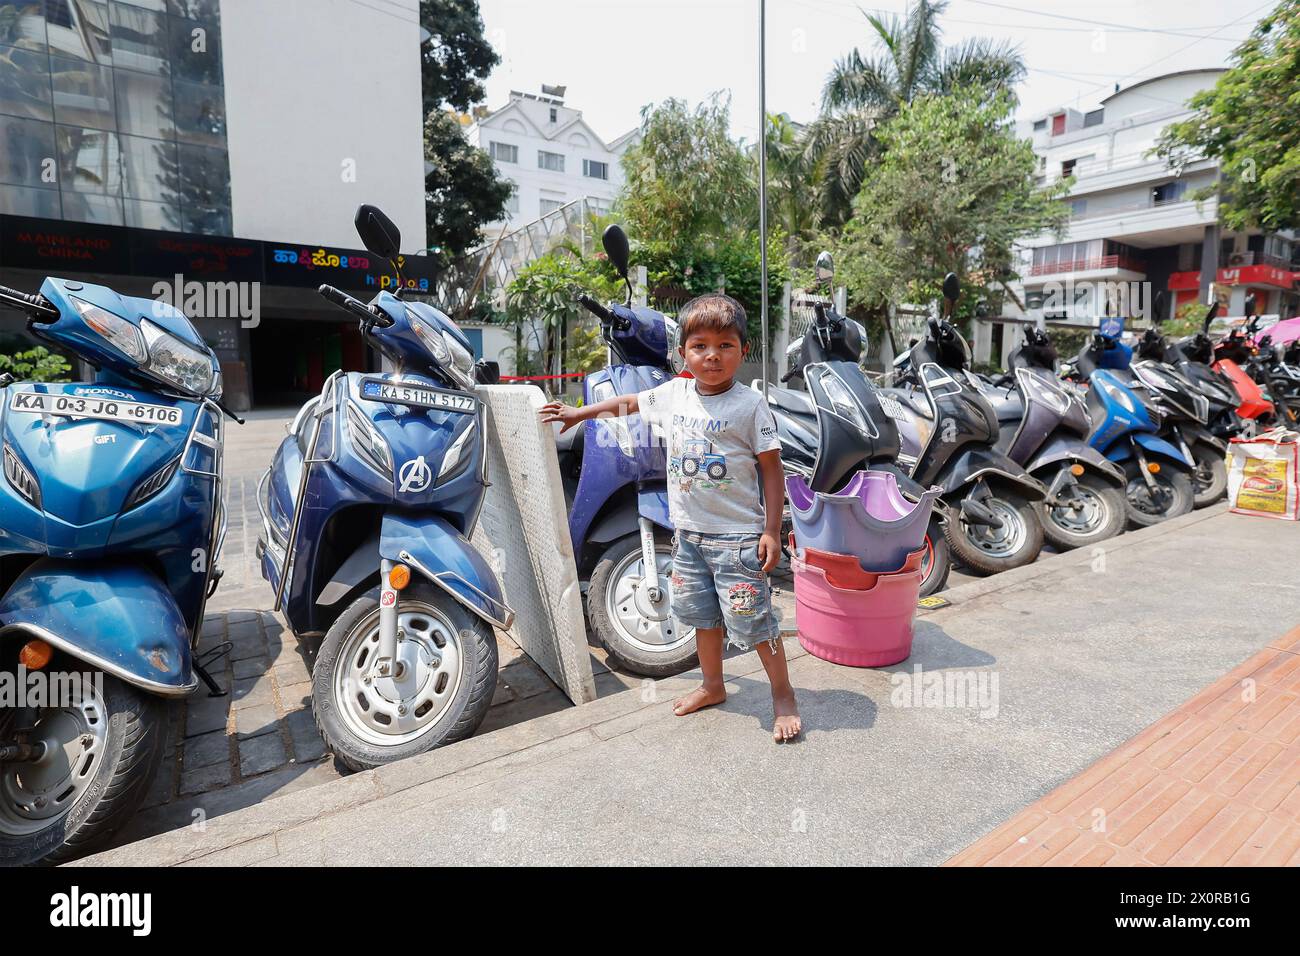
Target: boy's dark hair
pixel 714 312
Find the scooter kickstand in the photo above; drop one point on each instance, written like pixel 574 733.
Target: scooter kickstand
pixel 206 660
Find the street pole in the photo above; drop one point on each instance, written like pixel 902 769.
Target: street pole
pixel 762 177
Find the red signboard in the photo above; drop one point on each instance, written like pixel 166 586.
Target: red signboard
pixel 1237 275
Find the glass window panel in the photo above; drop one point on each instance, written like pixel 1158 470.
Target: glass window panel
pixel 205 177
pixel 88 160
pixel 194 9
pixel 196 51
pixel 144 105
pixel 153 215
pixel 79 28
pixel 208 220
pixel 26 201
pixel 200 114
pixel 139 39
pixel 22 23
pixel 149 170
pixel 27 154
pixel 25 83
pixel 159 6
pixel 88 207
pixel 83 93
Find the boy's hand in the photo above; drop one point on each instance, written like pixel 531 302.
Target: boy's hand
pixel 566 415
pixel 769 551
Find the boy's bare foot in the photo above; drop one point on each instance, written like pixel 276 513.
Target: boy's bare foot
pixel 697 699
pixel 787 724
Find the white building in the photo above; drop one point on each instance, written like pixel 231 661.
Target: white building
pixel 1133 224
pixel 550 154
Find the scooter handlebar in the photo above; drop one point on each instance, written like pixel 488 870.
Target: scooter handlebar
pixel 599 311
pixel 355 306
pixel 37 307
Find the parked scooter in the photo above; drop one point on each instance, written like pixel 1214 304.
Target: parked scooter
pixel 367 511
pixel 1193 356
pixel 843 423
pixel 949 436
pixel 616 483
pixel 111 527
pixel 1125 419
pixel 1043 425
pixel 1234 357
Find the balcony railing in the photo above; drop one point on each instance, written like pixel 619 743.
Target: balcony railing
pixel 1084 265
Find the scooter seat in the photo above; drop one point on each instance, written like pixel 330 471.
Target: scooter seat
pixel 797 403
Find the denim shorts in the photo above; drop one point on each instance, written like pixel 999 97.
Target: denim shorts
pixel 718 581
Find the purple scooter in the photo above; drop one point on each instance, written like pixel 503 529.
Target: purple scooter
pixel 616 485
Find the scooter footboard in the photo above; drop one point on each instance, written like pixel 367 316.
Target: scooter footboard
pixel 439 552
pixel 1060 450
pixel 120 617
pixel 1121 451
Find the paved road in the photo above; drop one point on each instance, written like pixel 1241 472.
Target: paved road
pixel 1043 671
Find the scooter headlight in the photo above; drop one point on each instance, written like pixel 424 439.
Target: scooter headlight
pixel 841 399
pixel 1121 396
pixel 180 364
pixel 20 479
pixel 1047 392
pixel 117 331
pixel 451 461
pixel 433 339
pixel 369 443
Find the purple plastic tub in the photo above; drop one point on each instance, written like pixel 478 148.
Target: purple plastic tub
pixel 869 518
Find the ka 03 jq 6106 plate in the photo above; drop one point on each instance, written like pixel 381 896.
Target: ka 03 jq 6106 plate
pixel 77 406
pixel 377 390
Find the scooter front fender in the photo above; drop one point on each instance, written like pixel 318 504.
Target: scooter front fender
pixel 433 547
pixel 1122 451
pixel 972 464
pixel 119 617
pixel 1061 449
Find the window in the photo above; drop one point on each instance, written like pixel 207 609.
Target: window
pixel 1040 125
pixel 595 170
pixel 1058 124
pixel 1067 168
pixel 552 161
pixel 1078 207
pixel 1168 192
pixel 554 115
pixel 1095 118
pixel 503 152
pixel 512 204
pixel 549 205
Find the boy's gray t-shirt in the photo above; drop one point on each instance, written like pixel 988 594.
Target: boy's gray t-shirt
pixel 713 444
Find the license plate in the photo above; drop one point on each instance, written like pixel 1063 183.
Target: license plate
pixel 396 394
pixel 891 407
pixel 104 409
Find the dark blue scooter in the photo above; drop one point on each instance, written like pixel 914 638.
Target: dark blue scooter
pixel 616 483
pixel 111 527
pixel 370 503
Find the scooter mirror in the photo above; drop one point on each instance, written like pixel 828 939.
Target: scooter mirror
pixel 825 268
pixel 487 373
pixel 378 233
pixel 614 239
pixel 1210 313
pixel 951 287
pixel 1158 307
pixel 1250 305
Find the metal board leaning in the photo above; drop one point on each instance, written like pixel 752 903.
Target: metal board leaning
pixel 524 533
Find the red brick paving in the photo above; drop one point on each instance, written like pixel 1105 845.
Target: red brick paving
pixel 1215 783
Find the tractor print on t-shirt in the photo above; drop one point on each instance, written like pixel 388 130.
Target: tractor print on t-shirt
pixel 699 464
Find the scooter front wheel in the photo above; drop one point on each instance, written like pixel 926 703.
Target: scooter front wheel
pixel 1210 479
pixel 440 693
pixel 937 561
pixel 636 629
pixel 1092 511
pixel 103 745
pixel 1172 496
pixel 987 550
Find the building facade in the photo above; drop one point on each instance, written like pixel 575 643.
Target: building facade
pixel 1134 227
pixel 218 142
pixel 550 154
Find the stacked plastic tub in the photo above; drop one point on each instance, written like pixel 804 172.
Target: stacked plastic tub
pixel 857 557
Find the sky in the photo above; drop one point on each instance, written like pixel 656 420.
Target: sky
pixel 616 56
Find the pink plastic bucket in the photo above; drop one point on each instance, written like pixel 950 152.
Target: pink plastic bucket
pixel 859 628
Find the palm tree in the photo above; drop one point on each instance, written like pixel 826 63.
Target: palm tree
pixel 791 182
pixel 864 90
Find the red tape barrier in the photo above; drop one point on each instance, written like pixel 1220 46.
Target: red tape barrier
pixel 541 378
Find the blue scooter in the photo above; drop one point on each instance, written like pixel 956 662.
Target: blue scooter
pixel 1125 420
pixel 111 528
pixel 367 511
pixel 616 483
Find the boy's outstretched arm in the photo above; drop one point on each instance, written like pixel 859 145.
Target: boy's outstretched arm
pixel 773 477
pixel 568 416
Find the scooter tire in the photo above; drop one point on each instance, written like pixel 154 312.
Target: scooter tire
pixel 938 560
pixel 1210 459
pixel 469 705
pixel 133 748
pixel 1179 482
pixel 983 563
pixel 1110 497
pixel 630 656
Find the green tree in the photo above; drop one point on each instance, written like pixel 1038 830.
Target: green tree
pixel 865 90
pixel 792 185
pixel 462 191
pixel 953 191
pixel 1247 121
pixel 542 302
pixel 687 178
pixel 36 365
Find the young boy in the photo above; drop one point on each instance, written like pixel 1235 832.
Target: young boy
pixel 725 496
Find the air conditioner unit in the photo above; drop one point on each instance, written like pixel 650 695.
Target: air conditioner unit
pixel 1241 259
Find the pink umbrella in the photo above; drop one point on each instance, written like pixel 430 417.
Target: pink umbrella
pixel 1288 330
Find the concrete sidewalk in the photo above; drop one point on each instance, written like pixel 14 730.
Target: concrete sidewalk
pixel 1047 669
